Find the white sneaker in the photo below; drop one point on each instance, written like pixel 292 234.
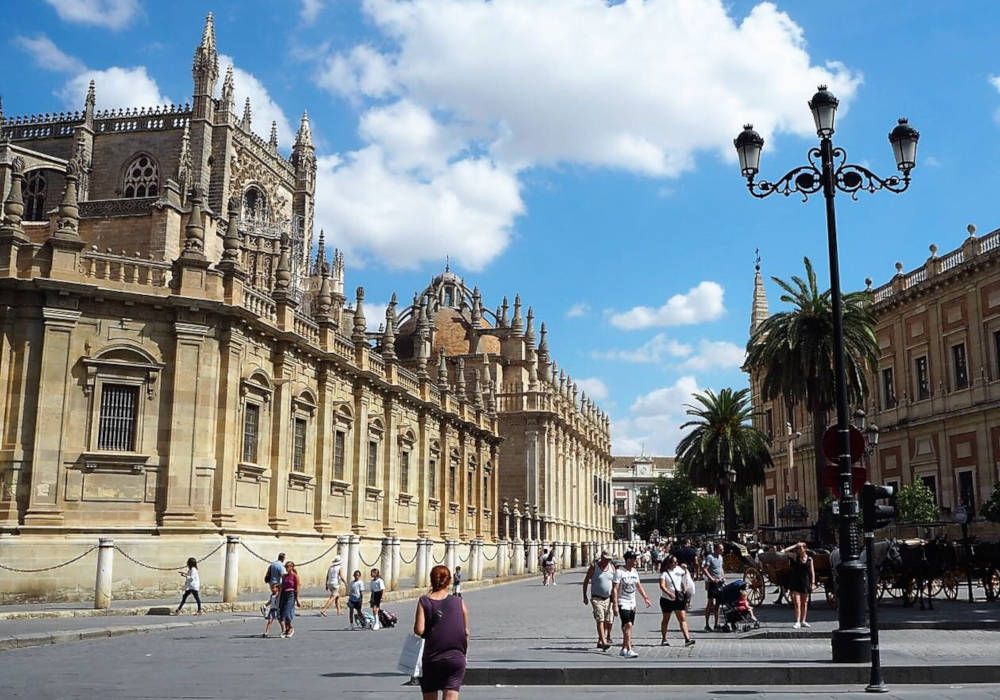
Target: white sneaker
pixel 623 652
pixel 796 626
pixel 806 624
pixel 631 655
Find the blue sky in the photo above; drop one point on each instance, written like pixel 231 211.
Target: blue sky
pixel 577 152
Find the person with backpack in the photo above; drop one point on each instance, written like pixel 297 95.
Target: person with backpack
pixel 356 593
pixel 192 584
pixel 275 571
pixel 600 579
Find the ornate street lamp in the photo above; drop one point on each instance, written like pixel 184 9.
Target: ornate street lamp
pixel 829 171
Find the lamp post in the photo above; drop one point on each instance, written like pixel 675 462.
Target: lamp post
pixel 730 506
pixel 829 171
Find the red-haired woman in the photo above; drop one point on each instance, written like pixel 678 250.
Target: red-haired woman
pixel 443 621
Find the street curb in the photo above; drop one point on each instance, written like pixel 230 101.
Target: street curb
pixel 240 606
pixel 25 641
pixel 729 675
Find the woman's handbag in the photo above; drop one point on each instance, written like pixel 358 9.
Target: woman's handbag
pixel 412 656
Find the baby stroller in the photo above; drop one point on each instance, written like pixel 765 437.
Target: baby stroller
pixel 729 598
pixel 367 620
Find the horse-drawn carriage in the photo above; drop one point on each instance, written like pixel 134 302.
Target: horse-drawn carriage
pixel 773 567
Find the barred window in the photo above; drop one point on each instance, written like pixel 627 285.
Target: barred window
pixel 432 479
pixel 452 479
pixel 404 472
pixel 486 491
pixel 34 196
pixel 339 443
pixel 372 463
pixel 251 427
pixel 142 178
pixel 116 427
pixel 470 481
pixel 299 453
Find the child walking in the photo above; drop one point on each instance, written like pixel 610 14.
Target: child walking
pixel 377 587
pixel 456 582
pixel 271 608
pixel 191 585
pixel 354 599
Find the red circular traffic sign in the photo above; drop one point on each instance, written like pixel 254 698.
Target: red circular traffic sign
pixel 831 444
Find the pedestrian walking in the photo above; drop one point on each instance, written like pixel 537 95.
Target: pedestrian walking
pixel 289 599
pixel 275 570
pixel 334 577
pixel 598 582
pixel 626 583
pixel 443 622
pixel 456 584
pixel 354 600
pixel 676 591
pixel 272 608
pixel 715 578
pixel 549 565
pixel 192 584
pixel 801 581
pixel 377 589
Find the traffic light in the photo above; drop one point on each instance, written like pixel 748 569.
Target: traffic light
pixel 874 516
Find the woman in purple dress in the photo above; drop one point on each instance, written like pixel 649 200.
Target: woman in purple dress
pixel 443 622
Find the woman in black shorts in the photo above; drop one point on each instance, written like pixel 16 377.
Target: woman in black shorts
pixel 801 581
pixel 676 589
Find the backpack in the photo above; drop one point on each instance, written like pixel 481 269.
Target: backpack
pixel 267 574
pixel 387 618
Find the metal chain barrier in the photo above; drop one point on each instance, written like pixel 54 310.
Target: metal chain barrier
pixel 372 565
pixel 315 559
pixel 496 553
pixel 163 568
pixel 47 568
pixel 253 553
pixel 460 560
pixel 405 561
pixel 443 557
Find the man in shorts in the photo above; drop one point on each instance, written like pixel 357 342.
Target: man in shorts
pixel 715 579
pixel 600 578
pixel 626 583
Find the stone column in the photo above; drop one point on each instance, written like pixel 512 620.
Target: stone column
pixel 105 566
pixel 421 563
pixel 450 554
pixel 503 559
pixel 567 561
pixel 574 556
pixel 353 556
pixel 532 563
pixel 230 582
pixel 343 550
pixel 385 560
pixel 396 563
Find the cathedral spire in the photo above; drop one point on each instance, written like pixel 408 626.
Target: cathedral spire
pixel 90 102
pixel 247 115
pixel 304 137
pixel 273 142
pixel 205 68
pixel 759 312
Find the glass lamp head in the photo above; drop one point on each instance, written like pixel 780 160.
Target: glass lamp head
pixel 903 140
pixel 748 147
pixel 824 110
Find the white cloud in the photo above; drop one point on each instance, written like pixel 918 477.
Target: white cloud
pixel 113 14
pixel 715 354
pixel 702 303
pixel 497 87
pixel 653 351
pixel 594 387
pixel 263 108
pixel 995 81
pixel 310 10
pixel 47 55
pixel 578 310
pixel 654 420
pixel 375 315
pixel 114 87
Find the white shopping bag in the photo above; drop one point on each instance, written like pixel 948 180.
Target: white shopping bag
pixel 411 657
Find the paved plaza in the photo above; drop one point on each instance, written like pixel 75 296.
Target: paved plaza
pixel 526 633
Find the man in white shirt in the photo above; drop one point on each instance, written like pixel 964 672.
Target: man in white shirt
pixel 626 583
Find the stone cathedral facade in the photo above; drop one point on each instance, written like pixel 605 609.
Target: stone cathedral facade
pixel 179 362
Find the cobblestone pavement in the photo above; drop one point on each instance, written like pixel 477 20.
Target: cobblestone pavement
pixel 517 624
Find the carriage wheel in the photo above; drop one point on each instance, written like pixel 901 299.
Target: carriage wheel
pixel 935 587
pixel 831 594
pixel 894 589
pixel 755 583
pixel 991 582
pixel 949 584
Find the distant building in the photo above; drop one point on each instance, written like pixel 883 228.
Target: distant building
pixel 630 478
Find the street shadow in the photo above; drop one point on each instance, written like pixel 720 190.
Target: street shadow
pixel 377 674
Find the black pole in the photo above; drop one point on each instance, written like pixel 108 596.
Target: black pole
pixel 968 555
pixel 875 682
pixel 851 641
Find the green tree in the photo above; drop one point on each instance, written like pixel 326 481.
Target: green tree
pixel 722 437
pixel 991 509
pixel 792 353
pixel 915 504
pixel 671 506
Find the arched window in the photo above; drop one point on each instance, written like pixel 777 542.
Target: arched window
pixel 142 178
pixel 35 187
pixel 254 202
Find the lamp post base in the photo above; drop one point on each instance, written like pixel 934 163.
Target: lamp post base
pixel 852 646
pixel 852 642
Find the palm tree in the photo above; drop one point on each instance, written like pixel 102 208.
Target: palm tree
pixel 793 352
pixel 722 438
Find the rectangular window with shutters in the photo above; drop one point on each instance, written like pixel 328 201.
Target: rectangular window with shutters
pixel 960 366
pixel 339 446
pixel 299 446
pixel 923 379
pixel 251 429
pixel 931 483
pixel 453 481
pixel 432 479
pixel 470 481
pixel 116 426
pixel 888 388
pixel 404 471
pixel 967 492
pixel 373 464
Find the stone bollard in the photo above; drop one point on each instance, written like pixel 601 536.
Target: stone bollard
pixel 105 566
pixel 450 554
pixel 518 556
pixel 503 559
pixel 421 563
pixel 353 556
pixel 231 579
pixel 343 547
pixel 532 564
pixel 575 554
pixel 396 564
pixel 385 561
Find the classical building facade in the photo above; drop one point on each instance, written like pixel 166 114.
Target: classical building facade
pixel 179 363
pixel 630 478
pixel 934 395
